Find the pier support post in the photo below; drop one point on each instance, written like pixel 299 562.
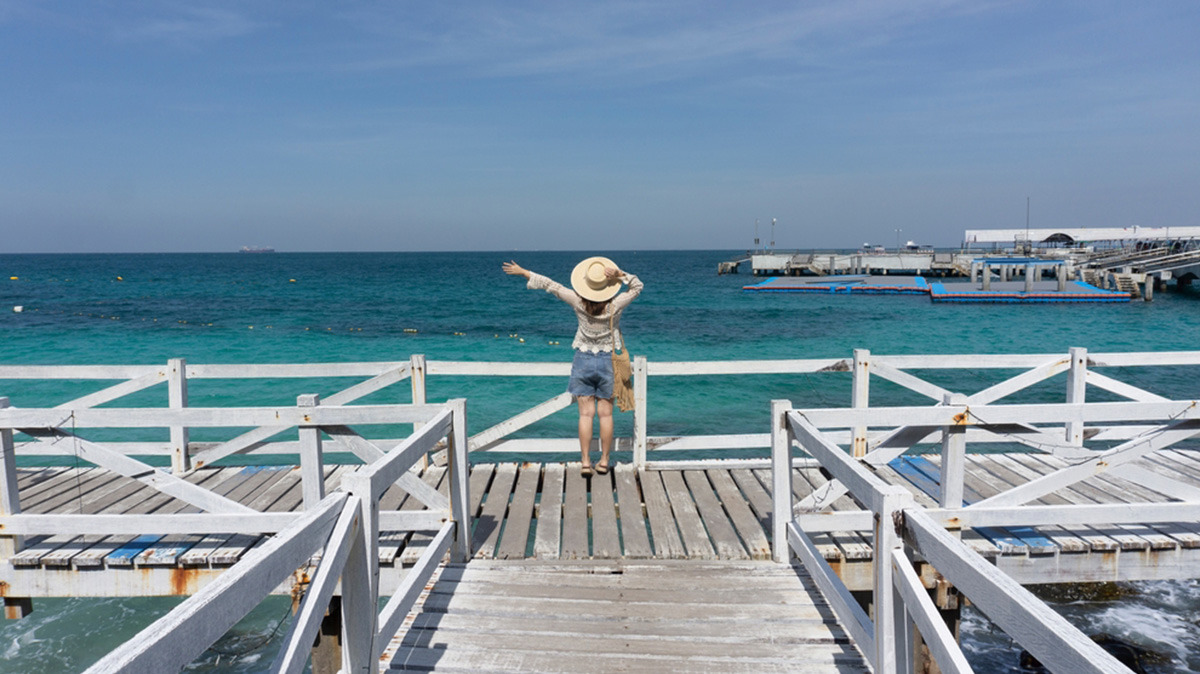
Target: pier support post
pixel 987 276
pixel 781 481
pixel 10 504
pixel 327 651
pixel 954 451
pixel 181 461
pixel 1029 272
pixel 312 460
pixel 1060 274
pixel 639 412
pixel 1148 293
pixel 1076 392
pixel 860 398
pixel 10 498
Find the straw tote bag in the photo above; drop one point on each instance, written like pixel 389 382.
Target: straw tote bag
pixel 622 374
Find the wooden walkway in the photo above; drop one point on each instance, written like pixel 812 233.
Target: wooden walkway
pixel 623 616
pixel 549 512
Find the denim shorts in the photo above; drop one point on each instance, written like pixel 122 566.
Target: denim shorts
pixel 591 375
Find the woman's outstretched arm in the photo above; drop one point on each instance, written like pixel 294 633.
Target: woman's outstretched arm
pixel 539 282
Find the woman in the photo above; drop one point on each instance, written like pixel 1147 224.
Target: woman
pixel 596 282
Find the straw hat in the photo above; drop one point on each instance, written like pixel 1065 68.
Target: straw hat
pixel 589 280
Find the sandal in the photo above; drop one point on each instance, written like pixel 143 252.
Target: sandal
pixel 602 467
pixel 586 471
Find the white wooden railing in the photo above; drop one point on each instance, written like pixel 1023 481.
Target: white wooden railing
pixel 342 527
pixel 864 368
pixel 904 532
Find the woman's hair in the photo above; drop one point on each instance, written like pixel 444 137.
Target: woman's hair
pixel 594 308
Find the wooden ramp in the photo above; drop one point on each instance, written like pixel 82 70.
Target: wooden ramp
pixel 623 616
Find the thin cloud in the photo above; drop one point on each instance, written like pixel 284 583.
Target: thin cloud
pixel 188 25
pixel 634 39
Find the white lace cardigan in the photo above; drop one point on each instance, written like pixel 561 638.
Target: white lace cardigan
pixel 593 334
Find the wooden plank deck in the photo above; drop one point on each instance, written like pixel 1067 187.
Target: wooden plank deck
pixel 623 616
pixel 550 512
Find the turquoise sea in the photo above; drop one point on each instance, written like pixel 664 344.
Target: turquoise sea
pixel 327 307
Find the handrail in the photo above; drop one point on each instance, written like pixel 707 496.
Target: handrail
pixel 880 443
pixel 344 527
pixel 896 519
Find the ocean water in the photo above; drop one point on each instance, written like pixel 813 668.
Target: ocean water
pixel 330 307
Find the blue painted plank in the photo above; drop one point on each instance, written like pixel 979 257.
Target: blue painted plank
pixel 926 476
pixel 123 556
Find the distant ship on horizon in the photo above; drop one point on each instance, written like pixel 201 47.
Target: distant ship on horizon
pixel 256 249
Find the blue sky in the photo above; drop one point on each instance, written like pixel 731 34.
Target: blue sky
pixel 202 126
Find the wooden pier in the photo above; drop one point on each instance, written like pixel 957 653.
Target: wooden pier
pixel 623 616
pixel 845 507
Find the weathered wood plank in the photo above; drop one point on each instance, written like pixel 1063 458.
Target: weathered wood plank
pixel 239 487
pixel 667 543
pixel 153 502
pixel 724 538
pixel 1066 540
pixel 392 542
pixel 1096 540
pixel 633 521
pixel 654 616
pixel 575 515
pixel 606 542
pixel 756 496
pixel 691 527
pixel 549 514
pixel 978 486
pixel 520 513
pixel 57 551
pixel 805 482
pixel 1077 494
pixel 274 498
pixel 751 532
pixel 495 507
pixel 419 542
pixel 235 547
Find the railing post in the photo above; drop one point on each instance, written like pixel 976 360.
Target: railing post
pixel 954 450
pixel 639 412
pixel 360 582
pixel 781 480
pixel 177 398
pixel 1076 392
pixel 860 397
pixel 416 376
pixel 885 596
pixel 416 364
pixel 312 459
pixel 460 472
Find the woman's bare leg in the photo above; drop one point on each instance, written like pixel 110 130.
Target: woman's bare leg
pixel 604 409
pixel 587 411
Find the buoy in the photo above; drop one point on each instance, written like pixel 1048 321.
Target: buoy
pixel 522 340
pixel 13 278
pixel 120 279
pixel 291 280
pixel 18 309
pixel 251 327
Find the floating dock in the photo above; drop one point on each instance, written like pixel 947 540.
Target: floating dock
pixel 1003 292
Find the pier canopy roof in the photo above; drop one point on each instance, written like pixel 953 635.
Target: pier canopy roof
pixel 1071 235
